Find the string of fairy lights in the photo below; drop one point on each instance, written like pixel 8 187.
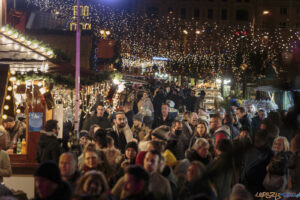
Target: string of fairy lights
pixel 192 47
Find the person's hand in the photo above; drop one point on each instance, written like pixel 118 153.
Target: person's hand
pixel 243 134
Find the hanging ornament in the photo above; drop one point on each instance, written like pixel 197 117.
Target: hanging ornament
pixel 244 66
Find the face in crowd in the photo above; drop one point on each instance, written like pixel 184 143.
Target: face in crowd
pixel 239 114
pixel 201 130
pixel 151 162
pixel 120 121
pixel 9 125
pixel 278 145
pixel 93 186
pixel 130 153
pixel 100 111
pixel 164 110
pixel 261 114
pixel 131 186
pixel 203 151
pixel 91 159
pixel 44 187
pixel 215 123
pixel 194 119
pixel 67 165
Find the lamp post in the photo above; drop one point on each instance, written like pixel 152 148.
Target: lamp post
pixel 77 74
pixel 185 33
pixel 104 33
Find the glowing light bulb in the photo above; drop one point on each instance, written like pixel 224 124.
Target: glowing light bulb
pixel 13 78
pixel 6 107
pixel 13 72
pixel 4 116
pixel 18 83
pixel 40 83
pixel 18 111
pixel 15 87
pixel 8 97
pixel 9 88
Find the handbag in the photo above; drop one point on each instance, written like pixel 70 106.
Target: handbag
pixel 274 182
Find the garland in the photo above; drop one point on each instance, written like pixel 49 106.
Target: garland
pixel 66 80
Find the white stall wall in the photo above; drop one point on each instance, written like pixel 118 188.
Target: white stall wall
pixel 24 183
pixel 58 114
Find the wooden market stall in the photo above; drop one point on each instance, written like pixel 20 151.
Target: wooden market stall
pixel 19 55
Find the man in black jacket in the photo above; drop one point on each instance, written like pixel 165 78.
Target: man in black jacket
pixel 48 145
pixel 244 119
pixel 164 118
pixel 98 118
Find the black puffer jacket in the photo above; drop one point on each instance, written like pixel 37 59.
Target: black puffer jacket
pixel 48 147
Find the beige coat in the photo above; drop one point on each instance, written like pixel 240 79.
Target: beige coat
pixel 5 167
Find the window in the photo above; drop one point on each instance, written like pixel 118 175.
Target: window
pixel 196 13
pixel 210 14
pixel 224 14
pixel 152 11
pixel 283 11
pixel 242 15
pixel 183 13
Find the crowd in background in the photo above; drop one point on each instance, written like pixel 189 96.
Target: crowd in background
pixel 162 144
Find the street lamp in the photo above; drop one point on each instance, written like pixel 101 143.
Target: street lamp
pixel 266 12
pixel 198 32
pixel 104 33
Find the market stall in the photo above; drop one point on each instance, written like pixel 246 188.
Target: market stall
pixel 23 99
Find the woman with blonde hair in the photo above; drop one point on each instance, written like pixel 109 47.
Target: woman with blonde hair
pixel 277 171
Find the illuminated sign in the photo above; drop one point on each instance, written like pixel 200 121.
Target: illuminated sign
pixel 84 12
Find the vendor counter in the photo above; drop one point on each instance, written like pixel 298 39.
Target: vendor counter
pixel 26 163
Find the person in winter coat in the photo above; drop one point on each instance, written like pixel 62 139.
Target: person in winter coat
pixel 256 160
pixel 277 168
pixel 199 152
pixel 234 131
pixel 49 184
pixel 121 133
pixel 256 120
pixel 244 119
pixel 5 167
pixel 164 118
pixel 221 170
pixel 139 129
pixel 16 129
pixel 145 108
pixel 176 142
pixel 99 118
pixel 48 145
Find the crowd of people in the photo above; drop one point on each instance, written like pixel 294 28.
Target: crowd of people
pixel 145 150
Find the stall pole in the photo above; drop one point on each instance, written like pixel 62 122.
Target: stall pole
pixel 77 75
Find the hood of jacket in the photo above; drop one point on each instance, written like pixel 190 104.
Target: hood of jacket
pixel 46 137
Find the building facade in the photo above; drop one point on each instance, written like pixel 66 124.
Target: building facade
pixel 260 13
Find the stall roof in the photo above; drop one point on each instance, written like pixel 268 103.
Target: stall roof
pixel 21 53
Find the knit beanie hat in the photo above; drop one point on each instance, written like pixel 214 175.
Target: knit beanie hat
pixel 133 145
pixel 161 132
pixel 50 171
pixel 138 117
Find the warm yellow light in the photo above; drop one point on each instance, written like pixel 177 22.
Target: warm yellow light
pixel 42 49
pixel 40 83
pixel 185 32
pixel 266 12
pixel 18 83
pixel 13 72
pixel 17 103
pixel 9 32
pixel 102 32
pixel 49 53
pixel 18 111
pixel 12 79
pixel 35 46
pixel 15 87
pixel 8 97
pixel 15 35
pixel 22 39
pixel 3 29
pixel 198 32
pixel 4 116
pixel 6 107
pixel 9 88
pixel 107 32
pixel 28 43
